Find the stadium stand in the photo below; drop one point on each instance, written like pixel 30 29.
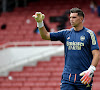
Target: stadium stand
pixel 47 74
pixel 41 77
pixel 19 30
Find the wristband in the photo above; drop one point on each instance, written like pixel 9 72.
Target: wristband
pixel 92 67
pixel 40 24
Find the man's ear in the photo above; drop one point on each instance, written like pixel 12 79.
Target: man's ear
pixel 81 19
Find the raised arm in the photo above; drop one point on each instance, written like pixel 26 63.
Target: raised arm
pixel 39 17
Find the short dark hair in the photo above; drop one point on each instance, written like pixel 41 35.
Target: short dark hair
pixel 77 10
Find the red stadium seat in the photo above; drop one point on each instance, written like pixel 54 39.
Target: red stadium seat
pixel 46 75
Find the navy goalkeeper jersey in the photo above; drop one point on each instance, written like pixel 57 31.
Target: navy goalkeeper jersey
pixel 78 46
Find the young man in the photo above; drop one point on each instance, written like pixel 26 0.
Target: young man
pixel 81 51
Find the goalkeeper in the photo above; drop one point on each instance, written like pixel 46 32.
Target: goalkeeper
pixel 81 51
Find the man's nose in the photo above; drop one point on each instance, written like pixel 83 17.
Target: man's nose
pixel 71 19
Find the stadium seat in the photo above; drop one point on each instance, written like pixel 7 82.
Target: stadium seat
pixel 47 74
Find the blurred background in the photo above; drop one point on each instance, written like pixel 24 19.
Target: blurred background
pixel 27 62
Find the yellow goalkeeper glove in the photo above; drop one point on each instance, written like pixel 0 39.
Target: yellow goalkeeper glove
pixel 39 17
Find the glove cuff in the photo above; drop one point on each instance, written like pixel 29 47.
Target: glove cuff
pixel 40 24
pixel 93 68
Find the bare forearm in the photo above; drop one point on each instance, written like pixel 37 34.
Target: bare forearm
pixel 39 19
pixel 44 34
pixel 95 58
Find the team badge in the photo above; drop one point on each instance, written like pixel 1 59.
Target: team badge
pixel 82 38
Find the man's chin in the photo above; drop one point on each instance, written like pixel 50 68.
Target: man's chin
pixel 73 25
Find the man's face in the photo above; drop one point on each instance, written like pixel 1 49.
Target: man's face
pixel 75 20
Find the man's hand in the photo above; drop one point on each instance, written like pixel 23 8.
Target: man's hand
pixel 39 16
pixel 87 75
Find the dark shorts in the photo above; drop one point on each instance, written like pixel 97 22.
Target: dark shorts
pixel 72 82
pixel 67 86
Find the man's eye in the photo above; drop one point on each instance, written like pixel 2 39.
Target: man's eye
pixel 74 17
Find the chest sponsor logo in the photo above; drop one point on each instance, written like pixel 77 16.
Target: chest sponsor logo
pixel 74 45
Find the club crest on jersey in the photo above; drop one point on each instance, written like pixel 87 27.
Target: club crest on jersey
pixel 82 38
